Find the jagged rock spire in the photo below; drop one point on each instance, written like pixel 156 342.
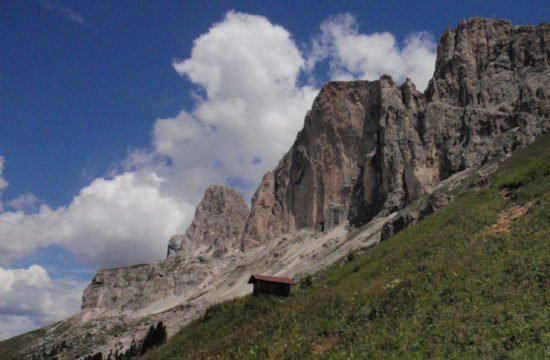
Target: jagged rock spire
pixel 217 226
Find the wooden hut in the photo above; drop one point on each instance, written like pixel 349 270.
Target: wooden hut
pixel 271 285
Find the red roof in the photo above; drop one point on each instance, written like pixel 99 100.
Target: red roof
pixel 274 279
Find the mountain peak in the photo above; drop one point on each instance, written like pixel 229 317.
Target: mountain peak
pixel 217 226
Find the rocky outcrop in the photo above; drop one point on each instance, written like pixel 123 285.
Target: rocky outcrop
pixel 492 64
pixel 399 223
pixel 407 218
pixel 435 202
pixel 217 226
pixel 369 148
pixel 313 184
pixel 128 289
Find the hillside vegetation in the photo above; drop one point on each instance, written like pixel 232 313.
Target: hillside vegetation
pixel 471 281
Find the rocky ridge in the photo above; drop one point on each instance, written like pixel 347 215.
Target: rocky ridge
pixel 369 152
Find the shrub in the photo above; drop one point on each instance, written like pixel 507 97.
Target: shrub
pixel 306 282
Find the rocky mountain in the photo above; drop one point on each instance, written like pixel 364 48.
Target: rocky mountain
pixel 370 152
pixel 373 147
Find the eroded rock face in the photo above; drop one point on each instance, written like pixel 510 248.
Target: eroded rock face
pixel 217 226
pixel 489 94
pixel 359 152
pixel 370 148
pixel 313 183
pixel 492 64
pixel 129 289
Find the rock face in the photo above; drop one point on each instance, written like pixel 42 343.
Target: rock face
pixel 490 92
pixel 359 152
pixel 370 148
pixel 129 289
pixel 313 184
pixel 217 226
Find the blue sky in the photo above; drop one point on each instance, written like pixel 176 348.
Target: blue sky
pixel 114 116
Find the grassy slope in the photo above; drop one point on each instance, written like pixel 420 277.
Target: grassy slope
pixel 445 288
pixel 9 347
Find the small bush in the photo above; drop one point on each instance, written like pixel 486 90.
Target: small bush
pixel 306 282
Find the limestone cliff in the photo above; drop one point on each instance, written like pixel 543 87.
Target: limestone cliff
pixel 351 136
pixel 372 147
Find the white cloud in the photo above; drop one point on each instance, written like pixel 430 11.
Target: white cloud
pixel 29 299
pixel 250 114
pixel 353 55
pixel 113 222
pixel 27 202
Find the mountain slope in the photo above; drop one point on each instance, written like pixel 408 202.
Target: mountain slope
pixel 470 281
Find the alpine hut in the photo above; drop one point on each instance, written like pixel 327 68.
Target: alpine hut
pixel 271 285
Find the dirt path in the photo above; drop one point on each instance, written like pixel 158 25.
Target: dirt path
pixel 507 216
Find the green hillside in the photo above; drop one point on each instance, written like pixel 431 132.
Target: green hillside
pixel 471 281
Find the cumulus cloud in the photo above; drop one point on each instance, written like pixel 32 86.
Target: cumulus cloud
pixel 248 69
pixel 353 55
pixel 29 298
pixel 112 222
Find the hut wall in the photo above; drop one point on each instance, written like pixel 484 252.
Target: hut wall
pixel 270 288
